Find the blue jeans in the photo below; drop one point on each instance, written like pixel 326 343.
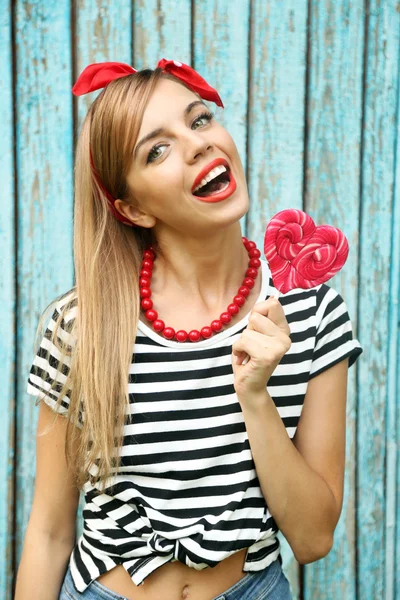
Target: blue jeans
pixel 269 584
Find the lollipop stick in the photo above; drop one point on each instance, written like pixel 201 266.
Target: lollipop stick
pixel 276 295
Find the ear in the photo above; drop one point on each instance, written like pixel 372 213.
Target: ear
pixel 134 214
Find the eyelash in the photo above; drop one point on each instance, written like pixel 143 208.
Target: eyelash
pixel 205 115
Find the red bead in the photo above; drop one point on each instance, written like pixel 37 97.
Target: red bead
pixel 181 336
pixel 239 300
pixel 216 325
pixel 252 273
pixel 147 264
pixel 158 325
pixel 250 246
pixel 225 317
pixel 254 253
pixel 149 256
pixel 248 282
pixel 206 332
pixel 254 262
pixel 146 303
pixel 233 309
pixel 194 335
pixel 168 333
pixel 151 315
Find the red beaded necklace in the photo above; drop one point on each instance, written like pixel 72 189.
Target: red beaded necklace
pixel 216 326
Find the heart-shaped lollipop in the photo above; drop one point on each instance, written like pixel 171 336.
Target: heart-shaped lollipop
pixel 301 255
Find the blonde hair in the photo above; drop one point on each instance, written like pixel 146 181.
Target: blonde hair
pixel 107 259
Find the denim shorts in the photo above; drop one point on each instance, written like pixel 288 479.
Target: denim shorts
pixel 269 584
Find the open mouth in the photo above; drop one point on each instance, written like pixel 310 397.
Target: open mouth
pixel 218 184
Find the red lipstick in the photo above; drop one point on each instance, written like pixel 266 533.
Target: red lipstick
pixel 218 196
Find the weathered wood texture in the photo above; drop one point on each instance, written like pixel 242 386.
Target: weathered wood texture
pixel 43 139
pixel 378 233
pixel 311 94
pixel 331 194
pixel 8 308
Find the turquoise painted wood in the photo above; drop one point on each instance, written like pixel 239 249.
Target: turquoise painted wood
pixel 311 94
pixel 43 137
pixel 392 550
pixel 377 187
pixel 7 313
pixel 161 29
pixel 392 584
pixel 393 391
pixel 331 194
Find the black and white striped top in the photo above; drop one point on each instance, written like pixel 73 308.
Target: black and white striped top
pixel 187 488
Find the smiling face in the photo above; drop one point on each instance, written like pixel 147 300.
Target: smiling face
pixel 164 168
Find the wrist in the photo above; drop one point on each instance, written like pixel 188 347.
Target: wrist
pixel 255 399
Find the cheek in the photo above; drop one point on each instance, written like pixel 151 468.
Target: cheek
pixel 159 182
pixel 237 161
pixel 225 141
pixel 233 151
pixel 167 178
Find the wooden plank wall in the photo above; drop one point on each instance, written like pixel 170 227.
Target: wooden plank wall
pixel 311 91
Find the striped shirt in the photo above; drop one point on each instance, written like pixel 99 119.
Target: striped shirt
pixel 187 488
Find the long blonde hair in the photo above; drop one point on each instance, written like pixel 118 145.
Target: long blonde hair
pixel 107 259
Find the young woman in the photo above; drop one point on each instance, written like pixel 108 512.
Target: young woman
pixel 190 456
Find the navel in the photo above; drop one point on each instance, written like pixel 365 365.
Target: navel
pixel 185 592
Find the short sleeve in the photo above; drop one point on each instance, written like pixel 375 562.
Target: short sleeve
pixel 334 336
pixel 51 364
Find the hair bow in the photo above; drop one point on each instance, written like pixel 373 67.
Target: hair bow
pixel 98 75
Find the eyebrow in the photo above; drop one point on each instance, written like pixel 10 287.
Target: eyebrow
pixel 161 130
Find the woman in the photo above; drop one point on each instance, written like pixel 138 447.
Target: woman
pixel 200 459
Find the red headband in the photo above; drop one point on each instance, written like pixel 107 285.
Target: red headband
pixel 98 75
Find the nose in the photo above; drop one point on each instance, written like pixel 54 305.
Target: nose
pixel 196 144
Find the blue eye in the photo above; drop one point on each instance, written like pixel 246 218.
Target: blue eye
pixel 208 116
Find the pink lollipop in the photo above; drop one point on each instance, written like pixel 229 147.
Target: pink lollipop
pixel 301 255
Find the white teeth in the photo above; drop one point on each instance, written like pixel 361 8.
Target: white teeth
pixel 211 175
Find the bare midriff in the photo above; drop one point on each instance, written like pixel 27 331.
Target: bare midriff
pixel 176 581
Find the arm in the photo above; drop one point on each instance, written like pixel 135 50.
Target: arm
pixel 302 481
pixel 50 535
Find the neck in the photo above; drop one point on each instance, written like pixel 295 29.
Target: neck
pixel 202 270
